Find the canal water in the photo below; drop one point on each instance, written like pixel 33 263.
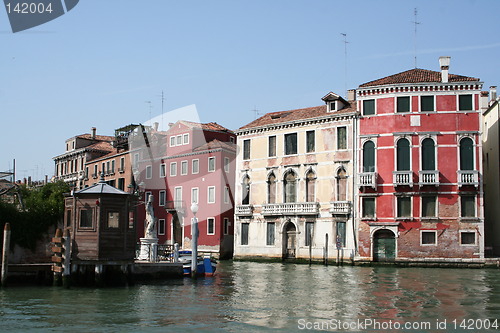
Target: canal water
pixel 268 297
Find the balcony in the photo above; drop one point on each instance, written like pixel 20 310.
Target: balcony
pixel 402 178
pixel 174 206
pixel 368 179
pixel 340 207
pixel 468 177
pixel 295 208
pixel 428 177
pixel 243 210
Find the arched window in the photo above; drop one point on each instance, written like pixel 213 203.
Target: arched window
pixel 466 154
pixel 428 154
pixel 290 184
pixel 271 188
pixel 310 186
pixel 403 155
pixel 245 195
pixel 369 156
pixel 341 185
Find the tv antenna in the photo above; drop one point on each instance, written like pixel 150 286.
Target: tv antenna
pixel 256 111
pixel 345 61
pixel 150 107
pixel 415 12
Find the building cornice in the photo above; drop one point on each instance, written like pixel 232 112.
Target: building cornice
pixel 423 87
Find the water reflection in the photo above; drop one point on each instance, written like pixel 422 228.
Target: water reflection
pixel 258 297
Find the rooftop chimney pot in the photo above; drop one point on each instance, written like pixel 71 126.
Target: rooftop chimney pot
pixel 493 93
pixel 444 63
pixel 93 132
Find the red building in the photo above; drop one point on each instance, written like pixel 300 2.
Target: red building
pixel 419 150
pixel 195 164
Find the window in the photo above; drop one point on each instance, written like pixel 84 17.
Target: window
pixel 467 238
pixel 103 168
pixel 231 139
pixel 465 102
pixel 195 167
pixel 211 194
pixel 194 195
pixel 428 154
pixel 86 218
pixel 149 172
pixel 136 160
pixel 68 218
pixel 172 141
pixel 113 220
pixel 291 144
pixel 341 184
pixel 244 233
pixel 426 103
pixel 122 164
pixel 272 146
pixel 271 227
pixel 309 233
pixel 369 156
pixel 290 186
pixel 210 226
pixel 162 198
pixel 86 172
pixel 161 227
pixel 368 107
pixel 178 140
pixel 146 196
pixel 226 164
pixel 246 149
pixel 368 207
pixel 113 166
pixel 184 167
pixel 310 186
pixel 173 169
pixel 403 206
pixel 310 141
pixel 429 206
pixel 226 194
pixel 466 154
pixel 271 188
pixel 341 234
pixel 186 139
pixel 226 226
pixel 163 170
pixel 108 169
pixel 428 238
pixel 403 104
pixel 403 155
pixel 245 195
pixel 468 206
pixel 341 138
pixel 121 184
pixel 211 164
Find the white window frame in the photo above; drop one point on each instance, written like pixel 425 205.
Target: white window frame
pixel 173 167
pixel 468 231
pixel 208 195
pixel 122 164
pixel 176 199
pixel 397 211
pixel 184 163
pixel 420 150
pixel 178 140
pixel 209 159
pixel 160 222
pixel 435 234
pixel 185 139
pixel 226 164
pixel 164 198
pixel 208 223
pixel 420 103
pixel 195 195
pixel 409 106
pixel 436 206
pixel 197 169
pixel 163 170
pixel 363 217
pixel 226 195
pixel 226 225
pixel 172 141
pixel 149 171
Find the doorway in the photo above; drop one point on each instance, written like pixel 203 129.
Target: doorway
pixel 289 240
pixel 384 245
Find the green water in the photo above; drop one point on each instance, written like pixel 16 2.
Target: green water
pixel 254 297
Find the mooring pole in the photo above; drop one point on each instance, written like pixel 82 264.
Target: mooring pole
pixel 194 242
pixel 66 275
pixel 310 249
pixel 5 254
pixel 326 250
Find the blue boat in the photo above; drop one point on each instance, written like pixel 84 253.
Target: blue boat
pixel 206 266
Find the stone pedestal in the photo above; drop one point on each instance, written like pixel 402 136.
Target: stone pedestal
pixel 149 249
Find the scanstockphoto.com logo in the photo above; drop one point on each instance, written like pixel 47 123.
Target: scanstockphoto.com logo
pixel 24 15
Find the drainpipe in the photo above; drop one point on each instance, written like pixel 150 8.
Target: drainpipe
pixel 354 187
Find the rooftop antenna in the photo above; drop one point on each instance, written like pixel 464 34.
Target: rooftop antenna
pixel 162 102
pixel 256 111
pixel 150 107
pixel 415 36
pixel 345 61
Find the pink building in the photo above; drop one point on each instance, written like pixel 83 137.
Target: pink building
pixel 419 172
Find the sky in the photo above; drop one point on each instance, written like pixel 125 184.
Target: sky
pixel 105 63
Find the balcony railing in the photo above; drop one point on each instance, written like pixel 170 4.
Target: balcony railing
pixel 402 178
pixel 468 177
pixel 295 208
pixel 340 207
pixel 368 179
pixel 174 206
pixel 244 210
pixel 428 177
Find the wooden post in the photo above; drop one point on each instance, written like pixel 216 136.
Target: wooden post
pixel 310 249
pixel 57 257
pixel 5 254
pixel 326 250
pixel 66 274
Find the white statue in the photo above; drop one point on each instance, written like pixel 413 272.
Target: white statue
pixel 150 219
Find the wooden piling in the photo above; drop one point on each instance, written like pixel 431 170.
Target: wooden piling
pixel 5 254
pixel 66 274
pixel 326 250
pixel 57 258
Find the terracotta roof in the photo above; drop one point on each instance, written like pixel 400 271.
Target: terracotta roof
pixel 97 137
pixel 214 144
pixel 101 146
pixel 212 126
pixel 298 114
pixel 416 75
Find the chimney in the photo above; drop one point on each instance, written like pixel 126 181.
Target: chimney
pixel 93 132
pixel 351 94
pixel 493 93
pixel 155 125
pixel 444 63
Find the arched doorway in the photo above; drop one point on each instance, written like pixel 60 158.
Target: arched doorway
pixel 289 240
pixel 384 245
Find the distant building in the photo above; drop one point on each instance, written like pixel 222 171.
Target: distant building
pixel 491 157
pixel 420 160
pixel 294 182
pixel 70 166
pixel 193 162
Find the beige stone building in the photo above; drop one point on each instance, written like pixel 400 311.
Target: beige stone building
pixel 294 183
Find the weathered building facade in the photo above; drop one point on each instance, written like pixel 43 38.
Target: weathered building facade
pixel 294 183
pixel 420 160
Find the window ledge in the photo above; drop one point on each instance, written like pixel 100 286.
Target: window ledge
pixel 404 218
pixel 368 219
pixel 470 219
pixel 429 219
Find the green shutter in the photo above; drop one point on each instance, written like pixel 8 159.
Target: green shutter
pixel 341 138
pixel 368 107
pixel 368 207
pixel 403 104
pixel 429 206
pixel 428 155
pixel 465 102
pixel 404 207
pixel 468 206
pixel 403 155
pixel 427 103
pixel 369 157
pixel 466 154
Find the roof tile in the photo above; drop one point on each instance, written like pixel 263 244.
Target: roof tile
pixel 416 75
